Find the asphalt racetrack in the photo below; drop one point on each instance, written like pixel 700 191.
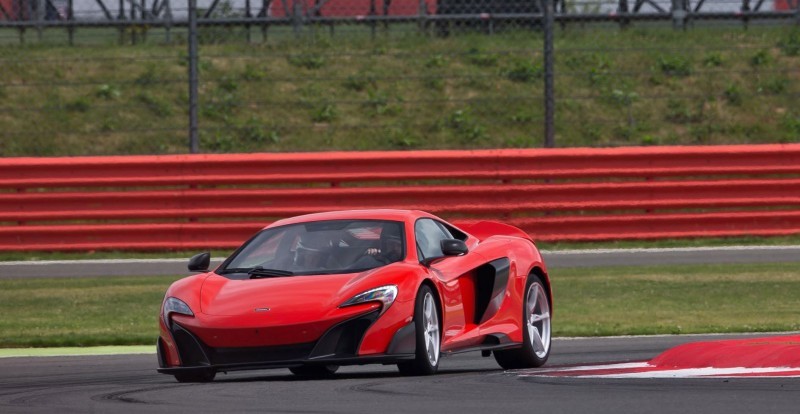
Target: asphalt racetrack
pixel 554 259
pixel 466 383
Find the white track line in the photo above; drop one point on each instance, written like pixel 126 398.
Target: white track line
pixel 631 370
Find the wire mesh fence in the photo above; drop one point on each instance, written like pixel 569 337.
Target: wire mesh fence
pixel 355 75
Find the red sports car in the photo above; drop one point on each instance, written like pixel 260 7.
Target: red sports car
pixel 315 292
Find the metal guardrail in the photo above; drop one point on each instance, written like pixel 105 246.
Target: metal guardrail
pixel 582 194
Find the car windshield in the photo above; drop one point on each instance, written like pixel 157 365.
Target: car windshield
pixel 321 247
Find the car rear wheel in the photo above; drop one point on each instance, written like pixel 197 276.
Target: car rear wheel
pixel 199 376
pixel 426 326
pixel 535 330
pixel 315 371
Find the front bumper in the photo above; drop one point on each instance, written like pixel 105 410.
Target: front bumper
pixel 337 346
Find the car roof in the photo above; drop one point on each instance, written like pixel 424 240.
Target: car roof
pixel 371 214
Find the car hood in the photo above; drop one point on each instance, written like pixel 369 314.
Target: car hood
pixel 298 297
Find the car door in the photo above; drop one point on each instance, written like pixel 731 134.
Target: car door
pixel 454 277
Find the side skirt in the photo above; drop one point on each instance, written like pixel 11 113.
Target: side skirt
pixel 492 342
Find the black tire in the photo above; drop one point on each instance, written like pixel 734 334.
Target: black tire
pixel 525 356
pixel 198 376
pixel 422 364
pixel 315 371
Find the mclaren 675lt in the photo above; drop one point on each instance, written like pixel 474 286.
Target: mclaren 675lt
pixel 315 292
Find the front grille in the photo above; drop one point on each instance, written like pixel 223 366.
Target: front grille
pixel 277 353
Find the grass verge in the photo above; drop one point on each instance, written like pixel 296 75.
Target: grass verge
pixel 650 85
pixel 676 299
pixel 589 302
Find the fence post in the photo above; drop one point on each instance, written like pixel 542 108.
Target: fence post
pixel 797 13
pixel 296 18
pixel 132 27
pixel 549 87
pixel 249 15
pixel 40 15
pixel 121 17
pixel 194 145
pixel 71 21
pixel 679 14
pixel 622 9
pixel 168 21
pixel 423 9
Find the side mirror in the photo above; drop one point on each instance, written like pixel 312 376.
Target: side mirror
pixel 450 247
pixel 454 247
pixel 200 262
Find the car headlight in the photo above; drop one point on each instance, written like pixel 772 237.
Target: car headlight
pixel 175 305
pixel 383 294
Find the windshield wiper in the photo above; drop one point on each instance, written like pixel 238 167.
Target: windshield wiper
pixel 259 271
pixel 235 270
pixel 256 270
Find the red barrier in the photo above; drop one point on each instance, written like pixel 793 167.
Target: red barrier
pixel 477 199
pixel 197 201
pixel 337 167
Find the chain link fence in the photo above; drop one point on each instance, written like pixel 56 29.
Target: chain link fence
pixel 279 75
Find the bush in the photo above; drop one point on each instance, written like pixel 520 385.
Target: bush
pixel 790 44
pixel 523 71
pixel 679 112
pixel 482 59
pixel 147 78
pixel 220 106
pixel 774 85
pixel 435 61
pixel 107 92
pixel 378 103
pixel 791 123
pixel 228 84
pixel 761 58
pixel 307 61
pixel 157 106
pixel 436 84
pixel 360 82
pixel 253 73
pixel 676 66
pixel 713 60
pixel 81 104
pixel 324 113
pixel 733 94
pixel 253 131
pixel 465 127
pixel 622 98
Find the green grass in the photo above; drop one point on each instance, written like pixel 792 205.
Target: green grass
pixel 399 90
pixel 589 302
pixel 80 311
pixel 676 299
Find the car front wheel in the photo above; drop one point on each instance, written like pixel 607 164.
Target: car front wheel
pixel 427 324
